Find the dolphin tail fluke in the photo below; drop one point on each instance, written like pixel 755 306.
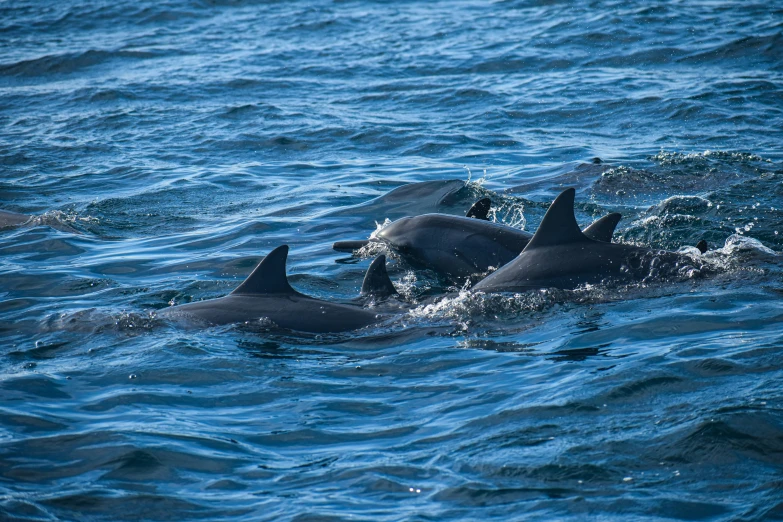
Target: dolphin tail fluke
pixel 480 209
pixel 602 229
pixel 269 276
pixel 376 282
pixel 350 246
pixel 559 224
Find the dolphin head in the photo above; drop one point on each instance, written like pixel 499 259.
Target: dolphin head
pixel 400 233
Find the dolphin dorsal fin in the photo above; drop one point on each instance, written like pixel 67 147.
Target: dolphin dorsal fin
pixel 480 209
pixel 559 224
pixel 602 229
pixel 376 282
pixel 269 276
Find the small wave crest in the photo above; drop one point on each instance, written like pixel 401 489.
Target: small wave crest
pixel 466 306
pixel 682 205
pixel 509 211
pixel 68 63
pixel 65 221
pixel 680 158
pixel 98 321
pixel 738 246
pixel 377 247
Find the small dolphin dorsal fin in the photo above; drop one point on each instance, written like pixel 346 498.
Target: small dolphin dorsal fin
pixel 559 224
pixel 480 209
pixel 376 281
pixel 269 276
pixel 602 229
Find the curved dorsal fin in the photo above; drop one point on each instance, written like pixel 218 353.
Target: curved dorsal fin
pixel 269 276
pixel 480 209
pixel 559 224
pixel 602 229
pixel 377 282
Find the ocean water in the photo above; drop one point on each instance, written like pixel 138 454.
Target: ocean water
pixel 164 148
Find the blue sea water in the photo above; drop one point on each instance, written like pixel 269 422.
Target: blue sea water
pixel 164 147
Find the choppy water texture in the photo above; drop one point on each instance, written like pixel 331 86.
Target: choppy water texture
pixel 165 147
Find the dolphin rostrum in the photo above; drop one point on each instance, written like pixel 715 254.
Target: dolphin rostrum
pixel 561 256
pixel 266 294
pixel 462 246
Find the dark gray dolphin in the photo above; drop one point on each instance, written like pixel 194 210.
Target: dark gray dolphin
pixel 12 219
pixel 561 256
pixel 412 198
pixel 266 294
pixel 436 192
pixel 582 176
pixel 51 219
pixel 461 246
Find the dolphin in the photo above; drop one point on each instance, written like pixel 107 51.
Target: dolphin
pixel 462 246
pixel 266 294
pixel 561 256
pixel 12 219
pixel 411 198
pixel 582 176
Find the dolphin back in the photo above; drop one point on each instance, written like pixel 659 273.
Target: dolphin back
pixel 561 256
pixel 12 219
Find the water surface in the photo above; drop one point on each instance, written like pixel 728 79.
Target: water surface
pixel 165 147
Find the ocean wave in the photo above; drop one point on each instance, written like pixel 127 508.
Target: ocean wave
pixel 756 48
pixel 166 147
pixel 69 63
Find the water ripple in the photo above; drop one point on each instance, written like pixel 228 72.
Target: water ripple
pixel 154 152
